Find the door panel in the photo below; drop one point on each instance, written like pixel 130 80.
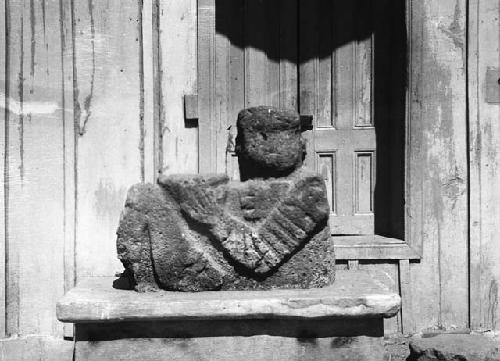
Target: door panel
pixel 336 88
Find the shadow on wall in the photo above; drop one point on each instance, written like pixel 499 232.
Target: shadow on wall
pixel 276 27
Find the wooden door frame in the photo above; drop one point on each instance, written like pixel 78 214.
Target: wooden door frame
pixel 383 248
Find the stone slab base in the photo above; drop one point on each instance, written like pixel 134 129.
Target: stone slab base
pixel 343 321
pixel 354 294
pixel 252 348
pixel 249 340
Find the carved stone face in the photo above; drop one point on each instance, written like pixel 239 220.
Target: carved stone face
pixel 269 142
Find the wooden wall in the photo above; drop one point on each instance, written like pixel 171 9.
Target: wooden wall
pixel 437 175
pixel 484 124
pixel 73 141
pixel 92 97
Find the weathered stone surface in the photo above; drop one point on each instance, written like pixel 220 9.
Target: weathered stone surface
pixel 194 235
pixel 269 141
pixel 252 348
pixel 155 246
pixel 454 347
pixel 354 294
pixel 280 226
pixel 205 232
pixel 343 321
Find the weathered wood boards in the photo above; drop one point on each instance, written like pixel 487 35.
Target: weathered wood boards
pixel 108 112
pixel 177 77
pixel 484 132
pixel 42 348
pixel 336 73
pixel 38 193
pixel 4 152
pixel 36 177
pixel 437 174
pixel 247 56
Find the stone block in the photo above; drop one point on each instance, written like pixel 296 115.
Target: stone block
pixel 353 294
pixel 269 142
pixel 453 347
pixel 200 232
pixel 251 348
pixel 204 232
pixel 343 321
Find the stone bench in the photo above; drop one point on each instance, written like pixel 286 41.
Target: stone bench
pixel 341 321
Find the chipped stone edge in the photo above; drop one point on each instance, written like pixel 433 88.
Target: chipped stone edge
pixel 70 309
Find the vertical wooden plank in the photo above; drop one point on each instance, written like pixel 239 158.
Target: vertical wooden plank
pixel 13 21
pixel 222 66
pixel 207 87
pixel 309 72
pixel 150 130
pixel 229 79
pixel 177 71
pixel 344 26
pixel 438 163
pixel 386 275
pixel 363 83
pixel 327 57
pixel 36 199
pixel 326 167
pixel 405 290
pixel 4 185
pixel 107 84
pixel 316 49
pixel 237 82
pixel 363 67
pixel 262 71
pixel 158 105
pixel 475 303
pixel 484 135
pixel 353 264
pixel 364 180
pixel 288 53
pixel 346 160
pixel 475 234
pixel 69 150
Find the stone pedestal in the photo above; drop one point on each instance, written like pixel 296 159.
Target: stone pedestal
pixel 343 321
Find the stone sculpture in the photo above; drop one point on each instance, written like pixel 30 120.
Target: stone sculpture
pixel 205 232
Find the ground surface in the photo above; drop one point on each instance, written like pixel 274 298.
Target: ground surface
pixel 396 347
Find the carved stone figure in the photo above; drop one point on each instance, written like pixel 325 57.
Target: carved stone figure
pixel 205 232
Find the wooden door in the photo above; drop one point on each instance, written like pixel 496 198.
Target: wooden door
pixel 312 56
pixel 336 88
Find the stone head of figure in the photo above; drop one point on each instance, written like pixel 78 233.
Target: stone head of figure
pixel 269 142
